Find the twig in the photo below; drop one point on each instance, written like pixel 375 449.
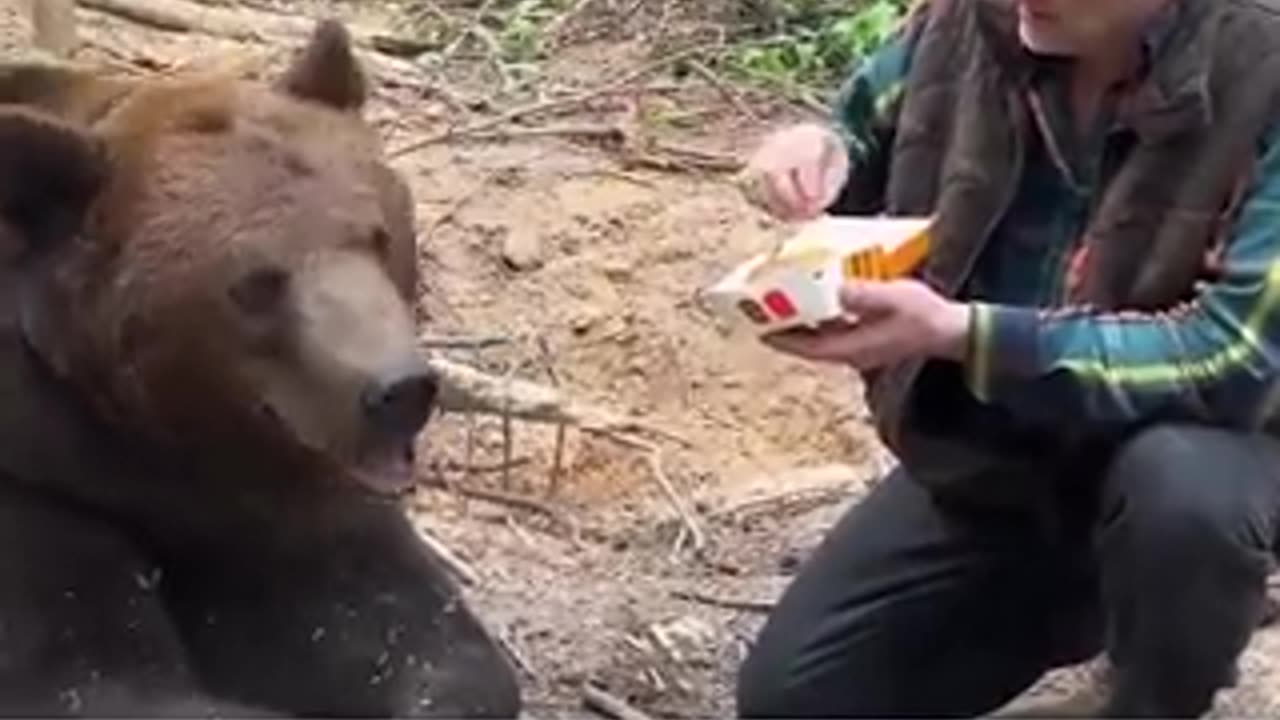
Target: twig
pixel 188 17
pixel 544 105
pixel 470 446
pixel 619 174
pixel 653 456
pixel 784 502
pixel 160 17
pixel 460 567
pixel 516 656
pixel 609 705
pixel 507 439
pixel 804 487
pixel 756 606
pixel 521 502
pixel 557 464
pixel 471 28
pixel 232 23
pixel 609 133
pixel 704 159
pixel 463 343
pixel 562 431
pixel 734 99
pixel 431 8
pixel 486 469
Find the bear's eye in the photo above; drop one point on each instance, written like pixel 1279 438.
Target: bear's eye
pixel 260 291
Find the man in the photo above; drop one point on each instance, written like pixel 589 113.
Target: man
pixel 1079 384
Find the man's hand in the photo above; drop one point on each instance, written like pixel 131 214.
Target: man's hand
pixel 797 172
pixel 890 321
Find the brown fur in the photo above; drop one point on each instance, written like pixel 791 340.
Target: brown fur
pixel 208 178
pixel 189 363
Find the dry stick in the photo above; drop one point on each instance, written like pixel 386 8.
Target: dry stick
pixel 785 501
pixel 506 434
pixel 232 23
pixel 471 418
pixel 166 16
pixel 463 343
pixel 430 7
pixel 756 606
pixel 557 465
pixel 617 174
pixel 595 132
pixel 653 456
pixel 461 568
pixel 471 28
pixel 485 469
pixel 697 157
pixel 517 657
pixel 185 16
pixel 609 705
pixel 734 99
pixel 463 387
pixel 469 451
pixel 544 105
pixel 522 502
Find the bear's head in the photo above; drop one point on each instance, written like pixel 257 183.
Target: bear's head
pixel 223 266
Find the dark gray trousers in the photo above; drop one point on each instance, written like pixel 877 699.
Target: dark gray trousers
pixel 910 608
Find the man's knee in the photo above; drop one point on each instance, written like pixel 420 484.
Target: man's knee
pixel 1187 489
pixel 761 686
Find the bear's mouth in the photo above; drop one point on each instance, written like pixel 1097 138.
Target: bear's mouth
pixel 387 466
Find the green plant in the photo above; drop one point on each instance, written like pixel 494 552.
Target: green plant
pixel 521 28
pixel 810 45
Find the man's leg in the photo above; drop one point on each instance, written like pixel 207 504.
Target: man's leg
pixel 907 609
pixel 1186 537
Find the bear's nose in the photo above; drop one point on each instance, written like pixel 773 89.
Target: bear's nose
pixel 401 402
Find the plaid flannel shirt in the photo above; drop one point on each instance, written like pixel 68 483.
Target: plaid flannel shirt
pixel 1214 359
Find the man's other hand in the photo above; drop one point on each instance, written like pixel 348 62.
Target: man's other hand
pixel 797 172
pixel 887 322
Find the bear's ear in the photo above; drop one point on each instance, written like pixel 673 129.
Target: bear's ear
pixel 327 71
pixel 50 172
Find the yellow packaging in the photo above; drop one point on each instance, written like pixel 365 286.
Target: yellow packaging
pixel 798 285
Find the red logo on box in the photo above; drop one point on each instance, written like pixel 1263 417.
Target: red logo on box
pixel 779 304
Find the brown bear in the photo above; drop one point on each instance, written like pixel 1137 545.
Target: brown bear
pixel 210 390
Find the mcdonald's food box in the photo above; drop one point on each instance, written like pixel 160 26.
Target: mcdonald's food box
pixel 798 284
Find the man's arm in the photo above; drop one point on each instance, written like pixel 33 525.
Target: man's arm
pixel 1216 359
pixel 865 112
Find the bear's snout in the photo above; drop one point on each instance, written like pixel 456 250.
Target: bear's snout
pixel 400 402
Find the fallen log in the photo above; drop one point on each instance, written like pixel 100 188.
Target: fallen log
pixel 183 16
pixel 236 23
pixel 383 55
pixel 466 389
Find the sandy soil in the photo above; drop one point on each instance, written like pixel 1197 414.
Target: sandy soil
pixel 589 269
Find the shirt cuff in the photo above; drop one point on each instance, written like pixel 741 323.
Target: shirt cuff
pixel 1004 344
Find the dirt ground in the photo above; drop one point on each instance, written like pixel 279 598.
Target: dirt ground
pixel 584 259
